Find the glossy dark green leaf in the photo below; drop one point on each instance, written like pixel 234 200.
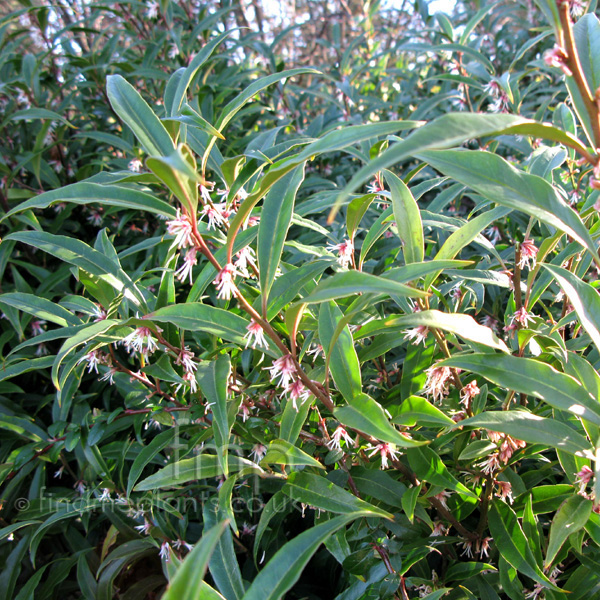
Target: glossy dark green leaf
pixel 135 112
pixel 285 568
pixel 532 377
pixel 88 193
pixel 572 515
pixel 343 361
pixel 213 379
pixel 533 429
pixel 280 452
pixel 187 583
pixel 275 220
pixel 497 180
pixel 408 219
pixel 317 491
pixel 40 307
pixel 367 415
pixel 512 543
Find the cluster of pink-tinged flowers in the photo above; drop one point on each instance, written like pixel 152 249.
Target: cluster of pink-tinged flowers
pixel 528 254
pixel 521 317
pixel 508 446
pixel 95 358
pixel 283 372
pixel 501 100
pixel 468 393
pixel 141 340
pixel 345 252
pixel 335 443
pixel 386 451
pixel 225 282
pixel 478 546
pixel 185 358
pixel 438 382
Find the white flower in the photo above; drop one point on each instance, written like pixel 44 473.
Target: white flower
pixel 173 51
pixel 181 228
pixel 337 436
pixel 93 359
pixel 141 341
pixel 258 452
pixel 164 551
pixel 284 368
pixel 214 214
pixel 256 335
pixel 224 282
pixel 385 450
pixel 345 252
pixel 438 379
pixel 189 261
pixel 297 391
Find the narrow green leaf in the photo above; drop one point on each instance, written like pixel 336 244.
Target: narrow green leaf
pixel 88 193
pixel 81 255
pixel 187 583
pixel 463 236
pixel 418 411
pixel 428 466
pixel 173 106
pixel 285 568
pixel 497 180
pixel 512 543
pixel 366 415
pixel 160 442
pixel 280 452
pixel 213 379
pixel 41 308
pixel 275 220
pixel 81 337
pixel 408 219
pixel 135 112
pixel 195 316
pixel 356 211
pixel 462 325
pixel 583 297
pixel 348 283
pixel 204 466
pixel 317 491
pixel 529 376
pixel 342 358
pixel 572 515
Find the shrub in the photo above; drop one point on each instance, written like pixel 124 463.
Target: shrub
pixel 265 321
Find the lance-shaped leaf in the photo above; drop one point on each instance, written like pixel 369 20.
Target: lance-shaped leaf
pixel 532 429
pixel 178 172
pixel 583 297
pixel 464 236
pixel 285 568
pixel 428 466
pixel 462 325
pixel 204 466
pixel 367 415
pixel 330 142
pixel 348 283
pixel 175 98
pixel 81 337
pixel 497 180
pixel 213 378
pixel 107 195
pixel 512 543
pixel 572 515
pixel 188 579
pixel 42 308
pixel 448 131
pixel 342 358
pixel 135 112
pixel 195 316
pixel 85 257
pixel 317 491
pixel 275 220
pixel 280 452
pixel 531 377
pixel 408 219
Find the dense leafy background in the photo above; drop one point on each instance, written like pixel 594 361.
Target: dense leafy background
pixel 395 189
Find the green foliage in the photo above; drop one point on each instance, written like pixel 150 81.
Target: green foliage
pixel 360 359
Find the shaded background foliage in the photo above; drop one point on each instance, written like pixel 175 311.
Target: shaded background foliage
pixel 82 467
